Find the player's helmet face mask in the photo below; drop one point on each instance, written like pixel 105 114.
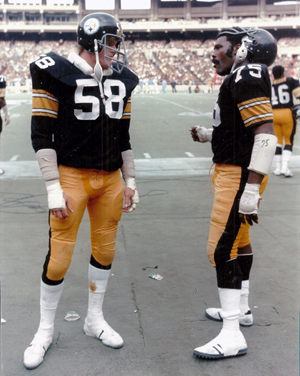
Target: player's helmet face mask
pixel 103 28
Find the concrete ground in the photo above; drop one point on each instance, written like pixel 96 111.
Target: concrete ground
pixel 161 321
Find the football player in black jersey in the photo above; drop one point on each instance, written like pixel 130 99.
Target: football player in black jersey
pixel 243 145
pixel 3 107
pixel 81 110
pixel 283 90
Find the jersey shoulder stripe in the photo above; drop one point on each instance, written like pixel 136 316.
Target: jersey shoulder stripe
pixel 44 104
pixel 255 111
pixel 127 111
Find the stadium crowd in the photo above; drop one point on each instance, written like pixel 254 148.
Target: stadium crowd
pixel 187 62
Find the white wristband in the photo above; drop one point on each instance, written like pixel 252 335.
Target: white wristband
pixel 262 153
pixel 130 183
pixel 56 199
pixel 204 134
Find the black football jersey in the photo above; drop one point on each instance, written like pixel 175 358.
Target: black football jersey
pixel 2 86
pixel 283 90
pixel 69 115
pixel 242 104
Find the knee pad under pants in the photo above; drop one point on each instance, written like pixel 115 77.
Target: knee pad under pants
pixel 227 233
pixel 101 193
pixel 284 126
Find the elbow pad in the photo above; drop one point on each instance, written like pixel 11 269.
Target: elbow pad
pixel 262 153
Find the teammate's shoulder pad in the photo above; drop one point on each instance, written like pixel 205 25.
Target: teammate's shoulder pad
pixel 50 62
pixel 129 74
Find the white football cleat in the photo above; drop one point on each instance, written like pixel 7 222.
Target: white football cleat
pixel 288 173
pixel 104 332
pixel 35 352
pixel 227 344
pixel 277 172
pixel 245 319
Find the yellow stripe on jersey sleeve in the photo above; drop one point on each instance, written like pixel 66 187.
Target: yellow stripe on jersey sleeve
pixel 2 92
pixel 44 104
pixel 127 111
pixel 296 92
pixel 256 110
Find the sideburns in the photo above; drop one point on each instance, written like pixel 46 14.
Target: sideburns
pixel 229 52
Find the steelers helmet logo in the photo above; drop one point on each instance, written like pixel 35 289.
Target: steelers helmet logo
pixel 91 26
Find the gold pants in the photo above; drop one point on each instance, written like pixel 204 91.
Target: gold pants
pixel 101 193
pixel 284 126
pixel 227 233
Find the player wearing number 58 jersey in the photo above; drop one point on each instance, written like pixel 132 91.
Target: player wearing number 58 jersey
pixel 243 145
pixel 81 111
pixel 283 91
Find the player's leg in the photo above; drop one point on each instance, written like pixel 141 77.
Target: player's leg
pixel 277 122
pixel 289 130
pixel 223 253
pixel 105 211
pixel 245 260
pixel 62 240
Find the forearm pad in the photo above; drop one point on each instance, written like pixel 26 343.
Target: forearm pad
pixel 5 110
pixel 47 160
pixel 128 168
pixel 262 153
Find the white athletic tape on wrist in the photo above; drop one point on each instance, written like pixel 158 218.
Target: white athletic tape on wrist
pixel 130 183
pixel 128 168
pixel 56 199
pixel 204 134
pixel 262 153
pixel 250 199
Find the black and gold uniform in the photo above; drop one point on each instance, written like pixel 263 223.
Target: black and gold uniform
pixel 283 90
pixel 81 113
pixel 88 135
pixel 242 104
pixel 68 113
pixel 2 96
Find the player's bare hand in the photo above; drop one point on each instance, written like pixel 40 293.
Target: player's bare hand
pixel 63 213
pixel 194 134
pixel 131 199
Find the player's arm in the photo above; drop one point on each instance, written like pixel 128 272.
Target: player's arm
pixel 3 105
pixel 261 159
pixel 44 104
pixel 128 168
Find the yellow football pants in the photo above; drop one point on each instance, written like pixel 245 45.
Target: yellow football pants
pixel 226 233
pixel 101 193
pixel 284 126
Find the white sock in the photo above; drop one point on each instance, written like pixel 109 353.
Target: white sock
pixel 230 304
pixel 286 156
pixel 244 304
pixel 98 279
pixel 49 298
